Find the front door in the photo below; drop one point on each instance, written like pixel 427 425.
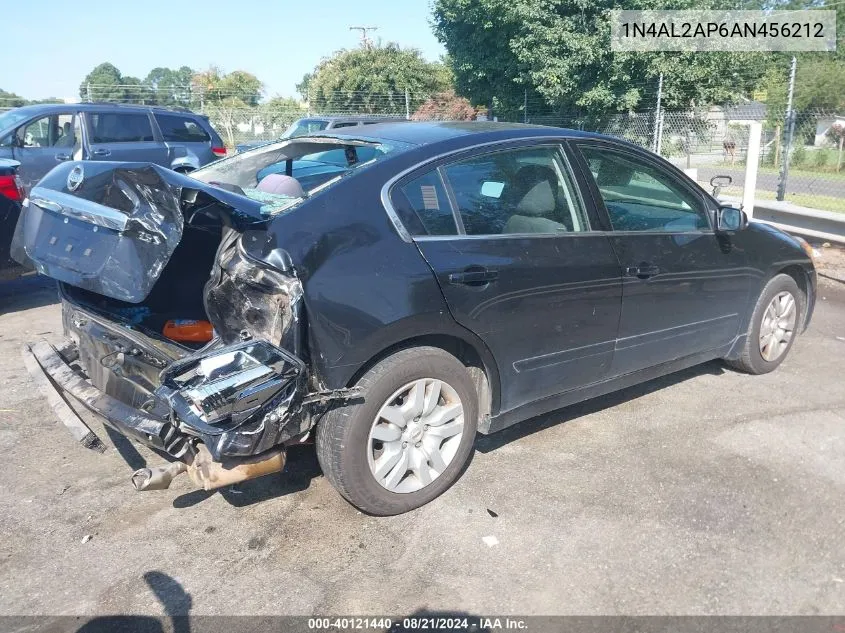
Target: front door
pixel 513 248
pixel 123 136
pixel 684 286
pixel 43 143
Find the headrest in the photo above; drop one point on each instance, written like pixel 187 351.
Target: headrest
pixel 282 185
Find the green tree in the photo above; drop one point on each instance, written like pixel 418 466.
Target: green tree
pixel 229 99
pixel 373 80
pixel 11 100
pixel 559 53
pixel 281 111
pixel 104 83
pixel 170 87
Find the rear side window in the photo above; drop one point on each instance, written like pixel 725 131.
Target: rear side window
pixel 178 128
pixel 119 127
pixel 517 191
pixel 425 198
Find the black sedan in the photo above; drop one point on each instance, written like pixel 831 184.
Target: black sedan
pixel 462 277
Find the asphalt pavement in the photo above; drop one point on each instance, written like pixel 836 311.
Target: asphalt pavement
pixel 704 492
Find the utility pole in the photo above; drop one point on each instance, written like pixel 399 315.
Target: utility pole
pixel 654 145
pixel 366 42
pixel 790 130
pixel 407 105
pixel 88 91
pixel 525 108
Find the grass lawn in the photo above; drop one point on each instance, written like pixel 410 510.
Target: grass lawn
pixel 825 203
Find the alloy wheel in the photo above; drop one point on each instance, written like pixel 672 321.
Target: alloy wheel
pixel 778 326
pixel 415 435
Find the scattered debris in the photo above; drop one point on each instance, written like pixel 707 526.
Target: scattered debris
pixel 86 538
pixel 490 541
pixel 491 513
pixel 64 489
pixel 826 245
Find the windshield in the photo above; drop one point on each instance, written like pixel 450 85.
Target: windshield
pixel 304 127
pixel 285 171
pixel 12 118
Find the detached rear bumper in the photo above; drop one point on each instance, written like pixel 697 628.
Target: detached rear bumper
pixel 56 378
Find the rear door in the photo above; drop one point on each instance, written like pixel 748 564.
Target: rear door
pixel 520 264
pixel 684 287
pixel 44 142
pixel 123 136
pixel 188 144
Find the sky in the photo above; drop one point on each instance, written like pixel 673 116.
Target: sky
pixel 276 40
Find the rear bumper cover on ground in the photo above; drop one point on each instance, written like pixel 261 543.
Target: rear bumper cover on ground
pixel 56 378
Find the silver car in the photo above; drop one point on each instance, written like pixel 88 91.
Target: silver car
pixel 41 136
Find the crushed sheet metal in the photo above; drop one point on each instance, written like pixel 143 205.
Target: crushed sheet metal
pixel 78 429
pixel 115 233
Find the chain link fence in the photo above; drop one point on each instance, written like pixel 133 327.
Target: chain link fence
pixel 712 141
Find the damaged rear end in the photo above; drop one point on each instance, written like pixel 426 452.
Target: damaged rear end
pixel 136 249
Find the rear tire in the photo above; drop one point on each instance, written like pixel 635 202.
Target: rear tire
pixel 775 322
pixel 431 444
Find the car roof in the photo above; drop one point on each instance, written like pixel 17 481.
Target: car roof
pixel 89 106
pixel 427 132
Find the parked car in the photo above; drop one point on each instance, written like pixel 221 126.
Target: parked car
pixel 310 125
pixel 11 195
pixel 40 136
pixel 467 277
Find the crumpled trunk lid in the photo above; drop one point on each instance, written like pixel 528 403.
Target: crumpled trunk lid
pixel 111 228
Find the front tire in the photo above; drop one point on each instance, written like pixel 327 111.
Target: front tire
pixel 775 323
pixel 410 438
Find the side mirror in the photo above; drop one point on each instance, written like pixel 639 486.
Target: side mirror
pixel 730 219
pixel 717 182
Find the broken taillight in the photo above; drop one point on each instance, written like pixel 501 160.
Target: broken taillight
pixel 218 151
pixel 11 187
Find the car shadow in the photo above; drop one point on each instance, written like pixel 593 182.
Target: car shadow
pixel 300 469
pixel 302 465
pixel 25 293
pixel 488 443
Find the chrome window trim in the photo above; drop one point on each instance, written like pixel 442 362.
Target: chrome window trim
pixel 522 236
pixel 385 190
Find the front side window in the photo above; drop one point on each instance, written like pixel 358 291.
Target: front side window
pixel 119 127
pixel 517 191
pixel 640 196
pixel 56 130
pixel 180 129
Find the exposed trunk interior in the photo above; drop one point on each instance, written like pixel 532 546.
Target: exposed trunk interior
pixel 179 292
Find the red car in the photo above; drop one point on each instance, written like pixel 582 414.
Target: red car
pixel 11 195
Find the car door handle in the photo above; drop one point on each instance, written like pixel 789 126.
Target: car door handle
pixel 474 277
pixel 63 157
pixel 643 271
pixel 101 152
